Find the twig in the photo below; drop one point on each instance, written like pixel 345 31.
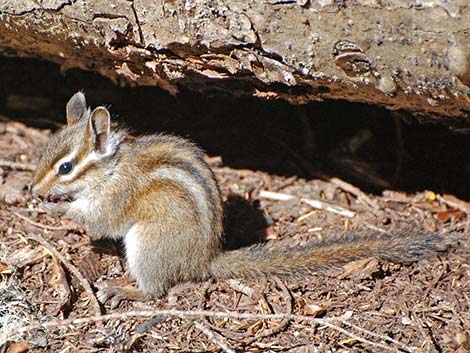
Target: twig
pixel 314 203
pixel 195 314
pixel 361 196
pixel 427 336
pixel 277 196
pixel 212 337
pixel 373 334
pixel 278 328
pixel 39 225
pixel 74 270
pixel 357 338
pixel 445 269
pixel 16 166
pixel 454 202
pixel 330 208
pixel 373 227
pixel 140 332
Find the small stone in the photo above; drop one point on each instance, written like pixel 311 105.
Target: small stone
pixel 387 85
pixel 433 102
pixel 388 311
pixel 460 338
pixel 406 321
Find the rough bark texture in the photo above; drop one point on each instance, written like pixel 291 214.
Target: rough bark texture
pixel 412 55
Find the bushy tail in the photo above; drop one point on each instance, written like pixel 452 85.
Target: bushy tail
pixel 321 255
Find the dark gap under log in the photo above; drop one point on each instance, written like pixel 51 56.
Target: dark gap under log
pixel 369 146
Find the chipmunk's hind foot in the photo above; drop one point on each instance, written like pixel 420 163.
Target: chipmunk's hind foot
pixel 118 294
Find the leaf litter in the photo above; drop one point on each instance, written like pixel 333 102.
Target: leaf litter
pixel 51 268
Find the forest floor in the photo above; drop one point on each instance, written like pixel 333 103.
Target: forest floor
pixel 50 270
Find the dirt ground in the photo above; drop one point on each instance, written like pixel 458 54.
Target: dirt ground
pixel 368 179
pixel 368 306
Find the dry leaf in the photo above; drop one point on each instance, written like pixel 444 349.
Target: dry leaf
pixel 5 269
pixel 13 189
pixel 14 347
pixel 313 310
pixel 265 307
pixel 360 269
pixel 458 340
pixel 255 327
pixel 240 287
pixel 388 311
pixel 90 266
pixel 255 350
pixel 269 233
pixel 445 216
pixel 27 255
pixel 61 285
pixel 455 202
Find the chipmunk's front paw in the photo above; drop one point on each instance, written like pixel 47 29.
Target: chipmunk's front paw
pixel 118 294
pixel 55 209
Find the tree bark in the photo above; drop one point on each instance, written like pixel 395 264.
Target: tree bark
pixel 402 54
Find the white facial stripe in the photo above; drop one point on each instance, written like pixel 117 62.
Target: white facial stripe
pixel 45 180
pixel 111 143
pixel 91 157
pixel 67 158
pixel 191 185
pixel 53 173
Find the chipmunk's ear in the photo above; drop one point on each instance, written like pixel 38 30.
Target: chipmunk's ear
pixel 76 108
pixel 99 127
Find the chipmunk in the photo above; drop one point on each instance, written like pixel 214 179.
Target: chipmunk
pixel 157 194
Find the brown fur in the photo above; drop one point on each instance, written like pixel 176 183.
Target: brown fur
pixel 157 193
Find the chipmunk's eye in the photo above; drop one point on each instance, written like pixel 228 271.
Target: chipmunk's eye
pixel 65 168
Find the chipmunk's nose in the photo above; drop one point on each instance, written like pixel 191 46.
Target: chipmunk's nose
pixel 35 189
pixel 40 185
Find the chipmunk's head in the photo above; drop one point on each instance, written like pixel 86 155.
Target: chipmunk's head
pixel 75 158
